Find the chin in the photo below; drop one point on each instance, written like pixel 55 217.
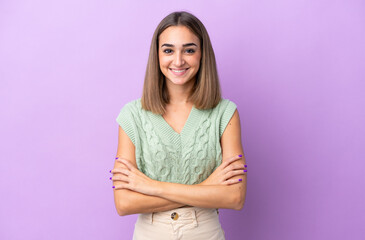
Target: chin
pixel 179 81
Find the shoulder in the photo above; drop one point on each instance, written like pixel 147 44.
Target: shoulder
pixel 230 130
pixel 129 111
pixel 225 107
pixel 225 112
pixel 226 103
pixel 128 119
pixel 131 106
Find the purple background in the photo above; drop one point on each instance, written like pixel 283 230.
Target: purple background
pixel 294 68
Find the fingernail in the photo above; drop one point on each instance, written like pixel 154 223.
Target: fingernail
pixel 116 158
pixel 245 170
pixel 240 180
pixel 245 165
pixel 110 178
pixel 240 155
pixel 113 186
pixel 110 171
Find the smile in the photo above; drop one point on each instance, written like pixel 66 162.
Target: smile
pixel 179 72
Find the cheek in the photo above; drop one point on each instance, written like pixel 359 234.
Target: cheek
pixel 164 61
pixel 195 60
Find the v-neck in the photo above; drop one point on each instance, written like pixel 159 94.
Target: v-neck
pixel 185 124
pixel 168 134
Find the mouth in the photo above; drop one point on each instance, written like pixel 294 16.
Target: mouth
pixel 179 72
pixel 178 69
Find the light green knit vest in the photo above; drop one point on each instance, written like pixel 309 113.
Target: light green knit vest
pixel 165 155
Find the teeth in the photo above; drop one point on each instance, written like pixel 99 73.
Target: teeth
pixel 178 70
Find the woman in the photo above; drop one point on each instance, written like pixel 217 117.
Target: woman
pixel 180 156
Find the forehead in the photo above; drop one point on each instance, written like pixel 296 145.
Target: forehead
pixel 177 35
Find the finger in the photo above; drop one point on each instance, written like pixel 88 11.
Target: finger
pixel 115 170
pixel 124 171
pixel 233 181
pixel 120 186
pixel 232 167
pixel 237 166
pixel 120 178
pixel 127 163
pixel 230 160
pixel 122 166
pixel 234 173
pixel 122 161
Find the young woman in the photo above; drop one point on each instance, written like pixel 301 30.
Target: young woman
pixel 180 156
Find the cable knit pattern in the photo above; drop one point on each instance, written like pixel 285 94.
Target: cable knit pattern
pixel 165 155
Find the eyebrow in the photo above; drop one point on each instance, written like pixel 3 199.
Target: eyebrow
pixel 184 45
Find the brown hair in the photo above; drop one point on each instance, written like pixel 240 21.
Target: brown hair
pixel 206 92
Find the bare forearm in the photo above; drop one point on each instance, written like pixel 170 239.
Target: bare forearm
pixel 130 202
pixel 206 196
pixel 203 195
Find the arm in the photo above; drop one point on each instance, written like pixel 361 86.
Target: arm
pixel 229 196
pixel 131 202
pixel 200 195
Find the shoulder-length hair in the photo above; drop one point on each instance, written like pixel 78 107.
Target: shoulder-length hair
pixel 206 92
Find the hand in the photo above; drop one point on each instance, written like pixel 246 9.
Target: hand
pixel 225 171
pixel 133 179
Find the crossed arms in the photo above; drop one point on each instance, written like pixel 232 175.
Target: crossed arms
pixel 136 193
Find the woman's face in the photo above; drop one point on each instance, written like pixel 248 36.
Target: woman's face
pixel 179 54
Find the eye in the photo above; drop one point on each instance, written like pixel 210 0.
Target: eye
pixel 190 50
pixel 167 50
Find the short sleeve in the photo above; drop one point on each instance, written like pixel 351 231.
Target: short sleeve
pixel 230 108
pixel 126 121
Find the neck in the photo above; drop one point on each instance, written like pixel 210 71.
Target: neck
pixel 179 93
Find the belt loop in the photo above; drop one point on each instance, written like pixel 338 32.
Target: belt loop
pixel 146 217
pixel 151 218
pixel 195 220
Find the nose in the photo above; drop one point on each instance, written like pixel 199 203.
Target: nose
pixel 179 59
